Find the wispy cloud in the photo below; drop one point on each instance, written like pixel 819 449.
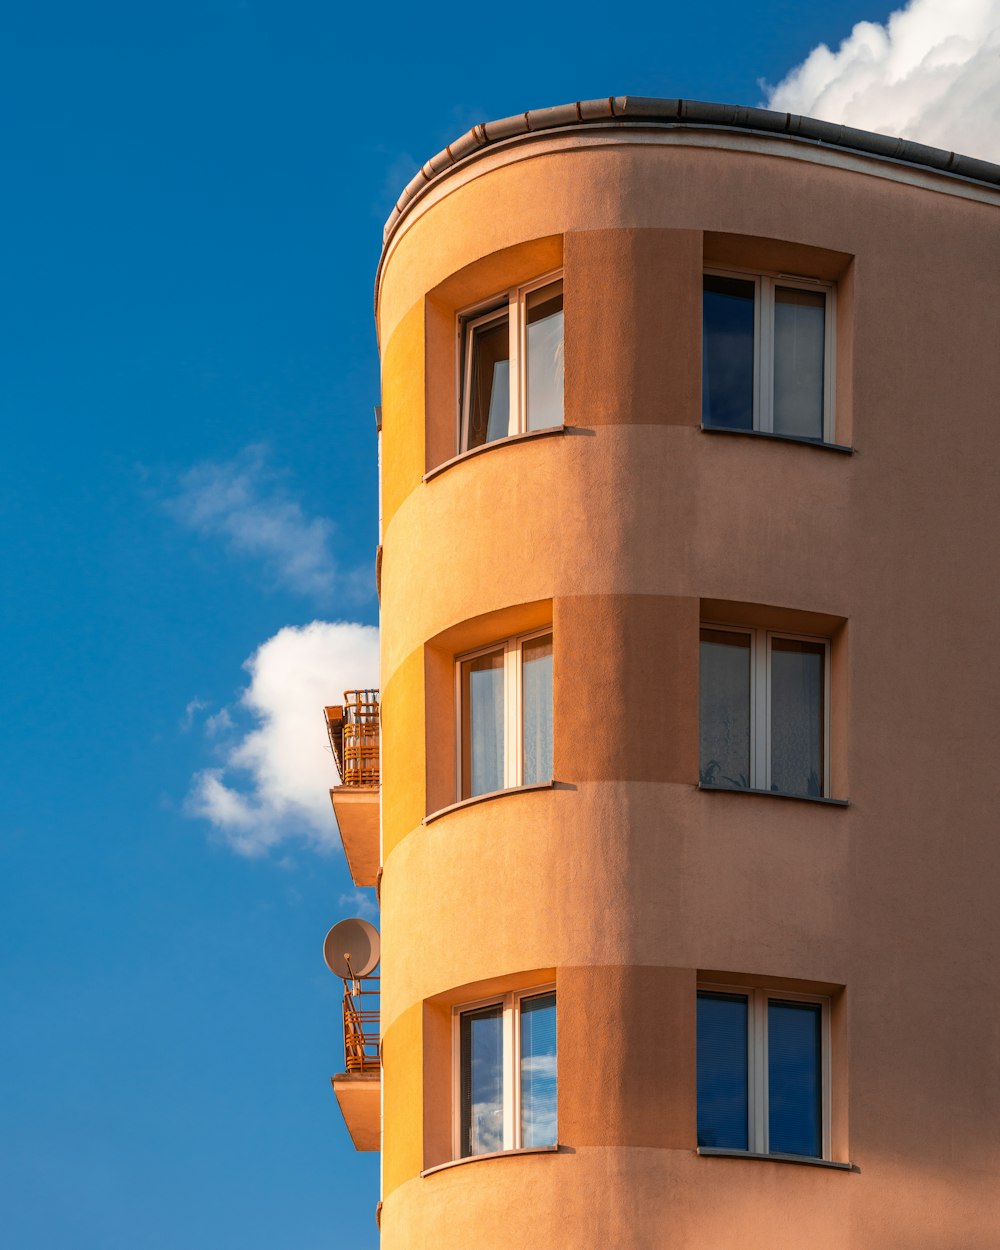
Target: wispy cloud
pixel 190 712
pixel 931 73
pixel 273 783
pixel 245 503
pixel 359 903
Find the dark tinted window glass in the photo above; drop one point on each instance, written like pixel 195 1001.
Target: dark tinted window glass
pixel 798 716
pixel 727 353
pixel 488 395
pixel 722 1071
pixel 724 696
pixel 794 1078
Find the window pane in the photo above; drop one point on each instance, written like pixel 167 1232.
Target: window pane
pixel 799 352
pixel 727 353
pixel 536 696
pixel 538 1070
pixel 489 383
pixel 481 1081
pixel 794 1079
pixel 725 708
pixel 798 716
pixel 723 1105
pixel 482 724
pixel 544 345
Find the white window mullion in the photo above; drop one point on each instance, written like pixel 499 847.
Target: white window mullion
pixel 465 345
pixel 512 712
pixel 759 1005
pixel 515 322
pixel 509 1072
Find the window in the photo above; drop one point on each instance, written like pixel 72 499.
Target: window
pixel 764 711
pixel 763 1071
pixel 767 355
pixel 505 714
pixel 512 364
pixel 505 1096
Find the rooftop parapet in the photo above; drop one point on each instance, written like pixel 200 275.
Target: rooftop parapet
pixel 647 111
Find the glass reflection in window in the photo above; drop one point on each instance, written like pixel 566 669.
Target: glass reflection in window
pixel 481 1081
pixel 536 699
pixel 538 1070
pixel 544 349
pixel 488 417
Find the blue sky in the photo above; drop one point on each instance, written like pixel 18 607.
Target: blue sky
pixel 193 210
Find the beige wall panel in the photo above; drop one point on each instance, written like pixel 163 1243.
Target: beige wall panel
pixel 626 873
pixel 403 777
pixel 625 677
pixel 633 327
pixel 640 510
pixel 403 1099
pixel 654 1199
pixel 627 1056
pixel 402 405
pixel 626 1198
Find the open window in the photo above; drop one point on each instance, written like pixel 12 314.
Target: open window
pixel 505 1073
pixel 768 354
pixel 512 364
pixel 504 701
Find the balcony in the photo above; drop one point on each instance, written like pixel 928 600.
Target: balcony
pixel 359 1088
pixel 354 736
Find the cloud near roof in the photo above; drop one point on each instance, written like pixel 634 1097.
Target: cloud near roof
pixel 930 74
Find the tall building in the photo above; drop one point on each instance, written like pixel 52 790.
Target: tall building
pixel 689 854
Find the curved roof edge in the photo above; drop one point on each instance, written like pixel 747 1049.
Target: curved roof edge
pixel 623 109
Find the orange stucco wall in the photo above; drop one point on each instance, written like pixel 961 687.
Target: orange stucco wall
pixel 624 878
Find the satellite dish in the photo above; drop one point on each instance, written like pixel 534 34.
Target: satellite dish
pixel 351 949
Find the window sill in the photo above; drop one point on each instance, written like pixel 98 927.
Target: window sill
pixel 497 442
pixel 722 1152
pixel 782 438
pixel 775 794
pixel 499 1154
pixel 483 798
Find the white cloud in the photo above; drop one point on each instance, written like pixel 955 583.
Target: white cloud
pixel 244 502
pixel 220 723
pixel 190 712
pixel 359 903
pixel 931 74
pixel 274 783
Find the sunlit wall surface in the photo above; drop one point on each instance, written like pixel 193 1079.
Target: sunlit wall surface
pixel 689 448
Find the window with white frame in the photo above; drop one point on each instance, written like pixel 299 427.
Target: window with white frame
pixel 512 364
pixel 767 355
pixel 763 1071
pixel 505 1073
pixel 504 703
pixel 764 710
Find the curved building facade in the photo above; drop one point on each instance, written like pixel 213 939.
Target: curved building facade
pixel 690 444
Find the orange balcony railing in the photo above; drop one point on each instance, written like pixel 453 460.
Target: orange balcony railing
pixel 361 1025
pixel 353 730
